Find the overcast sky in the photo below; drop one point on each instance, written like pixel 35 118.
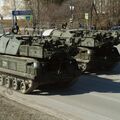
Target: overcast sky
pixel 1 3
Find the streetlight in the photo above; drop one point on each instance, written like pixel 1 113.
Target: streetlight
pixel 14 16
pixel 14 2
pixel 72 8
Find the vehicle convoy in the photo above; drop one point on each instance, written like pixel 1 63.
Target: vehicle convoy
pixel 28 62
pixel 92 49
pixel 97 49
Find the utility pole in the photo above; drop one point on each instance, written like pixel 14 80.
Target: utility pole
pixel 38 8
pixel 93 7
pixel 14 9
pixel 72 8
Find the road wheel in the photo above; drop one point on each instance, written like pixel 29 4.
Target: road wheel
pixel 27 87
pixel 1 80
pixel 8 82
pixel 83 67
pixel 23 87
pixel 15 84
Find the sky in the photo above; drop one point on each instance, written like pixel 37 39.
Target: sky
pixel 1 3
pixel 19 4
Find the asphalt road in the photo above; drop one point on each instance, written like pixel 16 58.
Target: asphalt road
pixel 93 97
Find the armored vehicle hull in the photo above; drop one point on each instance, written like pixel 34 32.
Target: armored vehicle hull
pixel 95 50
pixel 20 73
pixel 99 59
pixel 25 66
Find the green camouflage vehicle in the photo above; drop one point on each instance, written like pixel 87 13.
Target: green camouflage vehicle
pixel 93 50
pixel 96 49
pixel 1 30
pixel 28 62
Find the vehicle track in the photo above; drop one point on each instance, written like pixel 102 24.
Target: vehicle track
pixel 93 97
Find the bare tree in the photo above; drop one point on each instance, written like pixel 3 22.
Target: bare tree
pixel 9 5
pixel 105 12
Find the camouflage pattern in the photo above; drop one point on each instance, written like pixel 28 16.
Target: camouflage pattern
pixel 27 62
pixel 1 30
pixel 91 48
pixel 96 48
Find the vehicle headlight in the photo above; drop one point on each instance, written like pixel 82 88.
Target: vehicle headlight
pixel 88 52
pixel 35 65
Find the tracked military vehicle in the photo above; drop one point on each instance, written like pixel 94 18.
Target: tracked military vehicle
pixel 1 30
pixel 96 50
pixel 28 62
